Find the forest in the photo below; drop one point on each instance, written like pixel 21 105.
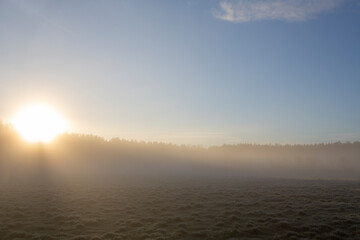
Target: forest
pixel 79 155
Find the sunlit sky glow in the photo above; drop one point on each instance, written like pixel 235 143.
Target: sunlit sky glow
pixel 39 123
pixel 199 72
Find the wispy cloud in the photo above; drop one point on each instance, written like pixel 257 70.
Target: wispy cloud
pixel 239 11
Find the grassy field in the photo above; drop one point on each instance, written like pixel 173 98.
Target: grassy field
pixel 206 208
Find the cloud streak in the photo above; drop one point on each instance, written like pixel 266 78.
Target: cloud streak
pixel 240 11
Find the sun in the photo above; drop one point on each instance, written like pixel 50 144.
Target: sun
pixel 39 123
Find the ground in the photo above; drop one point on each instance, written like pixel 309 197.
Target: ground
pixel 206 208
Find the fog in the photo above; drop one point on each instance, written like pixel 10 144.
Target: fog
pixel 74 156
pixel 84 187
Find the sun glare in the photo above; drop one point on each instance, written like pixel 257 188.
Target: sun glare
pixel 39 123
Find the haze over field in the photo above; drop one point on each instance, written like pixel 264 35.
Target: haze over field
pixel 88 156
pixel 83 187
pixel 193 119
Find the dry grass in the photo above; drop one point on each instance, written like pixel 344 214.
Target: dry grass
pixel 182 209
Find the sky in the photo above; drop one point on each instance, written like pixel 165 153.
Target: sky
pixel 188 72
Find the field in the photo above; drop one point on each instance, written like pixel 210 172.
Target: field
pixel 202 208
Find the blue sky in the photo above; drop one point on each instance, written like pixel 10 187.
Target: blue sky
pixel 198 72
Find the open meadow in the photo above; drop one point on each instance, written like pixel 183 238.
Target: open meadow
pixel 203 208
